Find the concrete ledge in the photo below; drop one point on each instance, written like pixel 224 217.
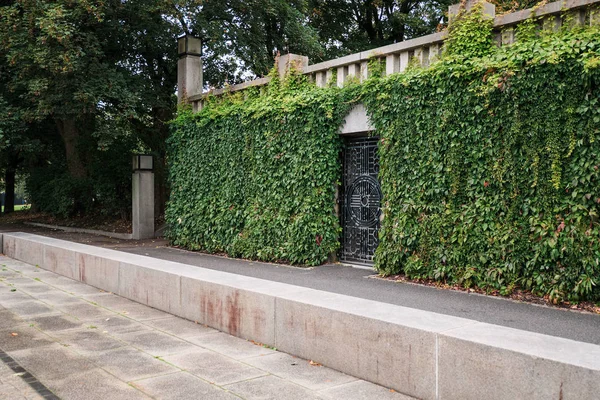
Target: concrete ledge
pixel 124 236
pixel 419 353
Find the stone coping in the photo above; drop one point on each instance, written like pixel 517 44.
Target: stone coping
pixel 116 235
pixel 419 353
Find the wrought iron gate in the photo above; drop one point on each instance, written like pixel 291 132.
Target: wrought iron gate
pixel 361 197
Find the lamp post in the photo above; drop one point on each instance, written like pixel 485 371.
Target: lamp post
pixel 142 209
pixel 189 67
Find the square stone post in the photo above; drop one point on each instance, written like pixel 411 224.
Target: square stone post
pixel 142 196
pixel 189 67
pixel 392 64
pixel 489 10
pixel 289 61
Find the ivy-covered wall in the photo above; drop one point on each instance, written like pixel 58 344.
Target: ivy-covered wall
pixel 490 163
pixel 490 166
pixel 253 175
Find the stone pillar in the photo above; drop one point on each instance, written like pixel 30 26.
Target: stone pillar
pixel 489 10
pixel 434 53
pixel 189 67
pixel 342 72
pixel 508 36
pixel 594 17
pixel 142 196
pixel 404 60
pixel 353 70
pixel 289 61
pixel 392 64
pixel 328 76
pixel 364 71
pixel 321 79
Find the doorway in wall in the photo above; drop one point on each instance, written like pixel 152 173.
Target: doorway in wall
pixel 361 200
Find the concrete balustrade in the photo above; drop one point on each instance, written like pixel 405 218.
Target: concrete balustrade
pixel 364 71
pixel 422 50
pixel 422 354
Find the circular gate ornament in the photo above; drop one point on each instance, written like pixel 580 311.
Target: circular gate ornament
pixel 364 201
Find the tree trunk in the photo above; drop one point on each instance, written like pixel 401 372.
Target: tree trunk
pixel 70 135
pixel 9 194
pixel 160 116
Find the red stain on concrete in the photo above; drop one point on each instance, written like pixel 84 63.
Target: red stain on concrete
pixel 258 315
pixel 233 311
pixel 82 269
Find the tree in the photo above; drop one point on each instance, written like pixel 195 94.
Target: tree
pixel 64 57
pixel 99 71
pixel 347 26
pixel 242 37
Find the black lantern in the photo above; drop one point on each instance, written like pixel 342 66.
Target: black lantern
pixel 143 162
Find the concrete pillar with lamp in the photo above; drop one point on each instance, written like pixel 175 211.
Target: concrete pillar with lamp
pixel 189 67
pixel 142 210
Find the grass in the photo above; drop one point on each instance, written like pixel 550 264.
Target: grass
pixel 18 208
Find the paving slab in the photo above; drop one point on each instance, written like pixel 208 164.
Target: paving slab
pixel 29 308
pixel 214 367
pixel 129 364
pixel 109 300
pixel 157 343
pixel 56 298
pixel 362 390
pixel 54 322
pixel 5 273
pixel 180 327
pixel 84 311
pixel 22 337
pixel 27 284
pixel 9 319
pixel 182 386
pixel 118 325
pixel 16 265
pixel 271 388
pixel 231 346
pixel 305 373
pixel 95 384
pixel 126 307
pixel 52 362
pixel 88 340
pixel 7 296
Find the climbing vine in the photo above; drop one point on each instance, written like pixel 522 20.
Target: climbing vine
pixel 489 165
pixel 253 174
pixel 490 162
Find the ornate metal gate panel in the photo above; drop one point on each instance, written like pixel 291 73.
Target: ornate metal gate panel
pixel 361 197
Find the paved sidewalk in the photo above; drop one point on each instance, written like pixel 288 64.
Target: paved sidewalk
pixel 83 343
